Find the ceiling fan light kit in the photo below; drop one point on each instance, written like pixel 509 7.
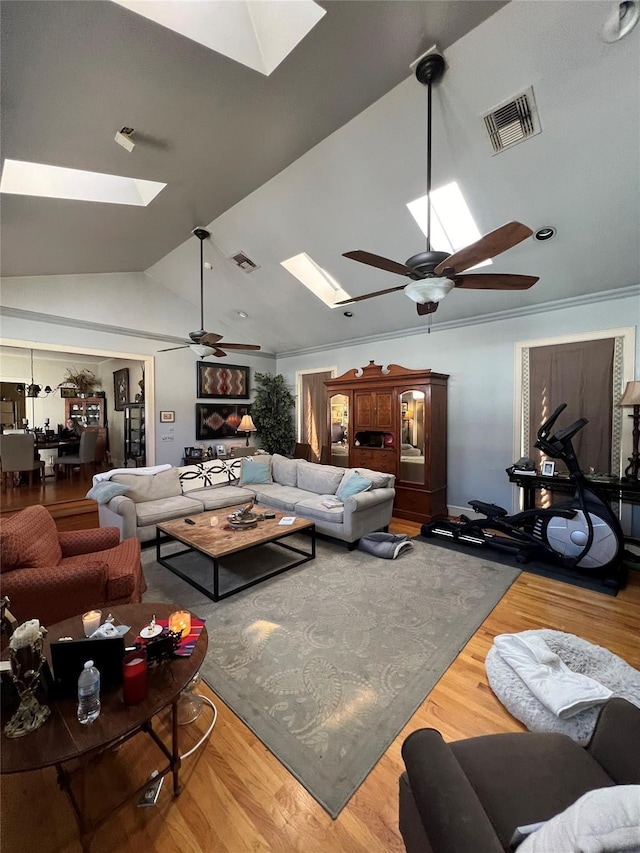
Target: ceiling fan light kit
pixel 434 274
pixel 204 343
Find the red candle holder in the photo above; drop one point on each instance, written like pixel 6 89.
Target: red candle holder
pixel 134 677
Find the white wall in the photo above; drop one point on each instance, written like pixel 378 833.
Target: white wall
pixel 480 362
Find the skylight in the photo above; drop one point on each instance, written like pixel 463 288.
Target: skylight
pixel 22 178
pixel 316 279
pixel 257 33
pixel 452 225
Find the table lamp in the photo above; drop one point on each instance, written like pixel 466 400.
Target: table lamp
pixel 631 397
pixel 247 425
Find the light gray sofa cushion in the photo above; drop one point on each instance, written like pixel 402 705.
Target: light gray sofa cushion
pixel 313 508
pixel 150 487
pixel 283 498
pixel 221 496
pixel 378 479
pixel 155 511
pixel 319 479
pixel 284 471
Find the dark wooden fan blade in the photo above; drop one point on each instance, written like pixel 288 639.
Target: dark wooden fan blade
pixel 371 295
pixel 379 262
pixel 426 308
pixel 489 246
pixel 239 346
pixel 169 349
pixel 495 281
pixel 209 339
pixel 219 353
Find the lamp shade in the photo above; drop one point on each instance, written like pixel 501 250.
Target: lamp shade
pixel 246 424
pixel 631 396
pixel 428 289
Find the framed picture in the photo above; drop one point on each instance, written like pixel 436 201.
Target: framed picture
pixel 120 388
pixel 405 408
pixel 67 393
pixel 215 420
pixel 167 417
pixel 222 380
pixel 548 469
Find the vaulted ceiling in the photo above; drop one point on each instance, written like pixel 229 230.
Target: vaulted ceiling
pixel 323 155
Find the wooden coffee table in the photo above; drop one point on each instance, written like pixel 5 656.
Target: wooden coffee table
pixel 220 541
pixel 62 739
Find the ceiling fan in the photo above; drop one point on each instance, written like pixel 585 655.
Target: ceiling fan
pixel 205 343
pixel 434 274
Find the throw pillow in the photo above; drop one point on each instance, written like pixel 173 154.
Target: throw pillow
pixel 203 474
pixel 104 491
pixel 352 486
pixel 255 473
pixel 607 819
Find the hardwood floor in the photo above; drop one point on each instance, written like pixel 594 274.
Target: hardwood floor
pixel 237 797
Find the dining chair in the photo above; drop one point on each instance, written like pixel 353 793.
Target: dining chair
pixel 18 454
pixel 84 459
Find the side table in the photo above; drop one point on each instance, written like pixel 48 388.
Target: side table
pixel 63 739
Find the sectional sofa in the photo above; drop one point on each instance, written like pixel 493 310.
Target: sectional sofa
pixel 321 493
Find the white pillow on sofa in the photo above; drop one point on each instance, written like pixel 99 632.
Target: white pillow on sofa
pixel 203 474
pixel 606 820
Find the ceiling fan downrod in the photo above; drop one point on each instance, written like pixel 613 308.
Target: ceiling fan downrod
pixel 428 71
pixel 202 235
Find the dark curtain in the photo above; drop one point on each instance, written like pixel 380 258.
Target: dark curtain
pixel 314 412
pixel 579 374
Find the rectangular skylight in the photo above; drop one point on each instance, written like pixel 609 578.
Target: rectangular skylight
pixel 452 225
pixel 22 178
pixel 316 279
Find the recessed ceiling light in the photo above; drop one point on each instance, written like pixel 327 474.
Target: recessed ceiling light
pixel 546 233
pixel 348 313
pixel 37 179
pixel 242 314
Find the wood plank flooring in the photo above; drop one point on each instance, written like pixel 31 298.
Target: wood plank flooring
pixel 238 798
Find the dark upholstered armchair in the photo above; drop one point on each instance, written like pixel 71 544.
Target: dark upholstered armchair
pixel 470 795
pixel 50 575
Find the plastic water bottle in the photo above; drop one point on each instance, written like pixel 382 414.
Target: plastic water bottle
pixel 88 694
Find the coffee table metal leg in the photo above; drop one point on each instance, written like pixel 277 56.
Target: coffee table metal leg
pixel 216 580
pixel 176 761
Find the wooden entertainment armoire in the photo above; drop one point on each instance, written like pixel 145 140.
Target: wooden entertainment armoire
pixel 394 421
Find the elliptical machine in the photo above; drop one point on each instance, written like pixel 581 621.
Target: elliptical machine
pixel 582 534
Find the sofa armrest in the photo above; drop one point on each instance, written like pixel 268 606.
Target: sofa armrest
pixel 615 743
pixel 364 500
pixel 119 512
pixel 451 813
pixel 74 542
pixel 50 593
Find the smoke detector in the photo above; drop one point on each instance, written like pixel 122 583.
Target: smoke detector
pixel 123 138
pixel 513 121
pixel 243 261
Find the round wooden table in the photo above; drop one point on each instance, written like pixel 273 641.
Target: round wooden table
pixel 62 738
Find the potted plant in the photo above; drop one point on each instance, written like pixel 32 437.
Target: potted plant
pixel 84 380
pixel 272 413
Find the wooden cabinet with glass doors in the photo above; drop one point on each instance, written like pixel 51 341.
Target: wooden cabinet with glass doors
pixel 394 421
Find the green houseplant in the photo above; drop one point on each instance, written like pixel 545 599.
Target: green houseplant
pixel 272 413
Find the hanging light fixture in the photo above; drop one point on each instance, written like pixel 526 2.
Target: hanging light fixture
pixel 33 390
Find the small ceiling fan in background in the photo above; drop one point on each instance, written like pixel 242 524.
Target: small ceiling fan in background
pixel 434 274
pixel 205 343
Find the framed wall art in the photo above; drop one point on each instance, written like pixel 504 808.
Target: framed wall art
pixel 222 380
pixel 215 420
pixel 167 417
pixel 120 389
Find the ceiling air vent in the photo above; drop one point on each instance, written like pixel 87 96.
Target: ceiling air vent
pixel 244 262
pixel 513 121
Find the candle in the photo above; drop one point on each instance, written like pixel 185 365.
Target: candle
pixel 214 520
pixel 91 621
pixel 134 677
pixel 180 621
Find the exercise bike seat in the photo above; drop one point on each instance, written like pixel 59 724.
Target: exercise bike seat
pixel 490 510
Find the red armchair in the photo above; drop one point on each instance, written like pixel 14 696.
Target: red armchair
pixel 50 575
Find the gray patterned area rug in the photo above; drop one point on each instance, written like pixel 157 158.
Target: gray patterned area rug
pixel 327 662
